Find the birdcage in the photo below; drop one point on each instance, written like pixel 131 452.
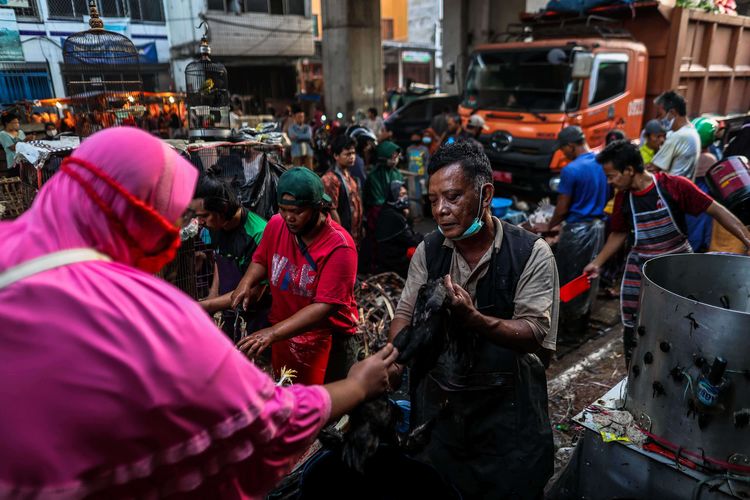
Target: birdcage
pixel 207 96
pixel 33 176
pixel 103 76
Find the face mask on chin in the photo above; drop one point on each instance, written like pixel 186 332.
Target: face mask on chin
pixel 476 225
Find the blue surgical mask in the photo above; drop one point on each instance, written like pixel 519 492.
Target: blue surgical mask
pixel 476 225
pixel 667 122
pixel 427 140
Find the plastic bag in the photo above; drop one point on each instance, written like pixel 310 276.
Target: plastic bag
pixel 579 243
pixel 258 193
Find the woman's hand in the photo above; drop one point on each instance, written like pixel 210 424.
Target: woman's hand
pixel 372 374
pixel 257 342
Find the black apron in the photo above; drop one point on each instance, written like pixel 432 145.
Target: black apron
pixel 491 436
pixel 579 243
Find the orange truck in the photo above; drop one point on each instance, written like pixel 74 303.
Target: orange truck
pixel 602 72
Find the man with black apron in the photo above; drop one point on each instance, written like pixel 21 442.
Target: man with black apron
pixel 487 404
pixel 652 207
pixel 582 196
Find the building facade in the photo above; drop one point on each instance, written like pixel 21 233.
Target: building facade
pixel 261 42
pixel 31 62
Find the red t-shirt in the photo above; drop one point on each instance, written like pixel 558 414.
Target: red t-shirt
pixel 296 283
pixel 683 197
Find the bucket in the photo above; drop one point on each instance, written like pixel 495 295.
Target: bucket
pixel 500 206
pixel 729 183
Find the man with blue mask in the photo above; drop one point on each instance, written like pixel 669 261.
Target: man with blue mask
pixel 491 435
pixel 679 153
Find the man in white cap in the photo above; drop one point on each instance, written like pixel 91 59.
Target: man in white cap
pixel 475 126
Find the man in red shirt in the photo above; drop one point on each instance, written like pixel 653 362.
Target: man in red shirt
pixel 653 208
pixel 342 187
pixel 310 262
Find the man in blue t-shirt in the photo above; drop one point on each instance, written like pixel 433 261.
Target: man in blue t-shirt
pixel 582 195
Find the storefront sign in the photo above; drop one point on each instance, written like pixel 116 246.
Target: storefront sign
pixel 415 56
pixel 10 39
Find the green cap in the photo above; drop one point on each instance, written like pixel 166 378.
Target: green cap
pixel 304 185
pixel 386 149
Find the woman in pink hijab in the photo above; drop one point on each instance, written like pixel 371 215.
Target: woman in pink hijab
pixel 115 384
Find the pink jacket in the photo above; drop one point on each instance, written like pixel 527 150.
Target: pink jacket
pixel 113 383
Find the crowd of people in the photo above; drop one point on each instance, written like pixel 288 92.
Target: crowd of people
pixel 180 408
pixel 659 206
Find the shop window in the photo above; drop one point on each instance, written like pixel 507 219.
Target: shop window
pixel 68 8
pixel 386 29
pixel 30 12
pixel 296 7
pixel 136 10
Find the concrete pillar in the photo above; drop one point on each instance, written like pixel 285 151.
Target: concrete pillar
pixel 454 44
pixel 352 56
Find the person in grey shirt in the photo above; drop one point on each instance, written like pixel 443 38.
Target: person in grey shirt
pixel 10 136
pixel 680 152
pixel 485 399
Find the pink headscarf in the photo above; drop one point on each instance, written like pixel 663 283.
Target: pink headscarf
pixel 113 383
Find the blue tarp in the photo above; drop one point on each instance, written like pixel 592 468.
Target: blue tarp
pixel 581 6
pixel 147 54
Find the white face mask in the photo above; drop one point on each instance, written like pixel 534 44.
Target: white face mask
pixel 52 132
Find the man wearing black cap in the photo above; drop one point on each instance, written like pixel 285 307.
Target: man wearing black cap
pixel 582 196
pixel 310 262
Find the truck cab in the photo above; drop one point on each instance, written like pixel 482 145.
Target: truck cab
pixel 527 91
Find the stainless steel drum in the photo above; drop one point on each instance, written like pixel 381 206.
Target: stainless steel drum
pixel 694 317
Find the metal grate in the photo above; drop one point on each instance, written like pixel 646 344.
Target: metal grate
pixel 25 13
pixel 135 10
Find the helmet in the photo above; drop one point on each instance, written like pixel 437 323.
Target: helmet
pixel 360 133
pixel 706 128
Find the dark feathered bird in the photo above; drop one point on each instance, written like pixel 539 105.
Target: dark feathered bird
pixel 419 345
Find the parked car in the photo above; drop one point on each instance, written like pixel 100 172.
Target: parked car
pixel 417 115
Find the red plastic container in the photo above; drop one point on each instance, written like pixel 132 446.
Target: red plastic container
pixel 574 288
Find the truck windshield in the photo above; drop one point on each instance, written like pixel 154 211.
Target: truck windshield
pixel 537 80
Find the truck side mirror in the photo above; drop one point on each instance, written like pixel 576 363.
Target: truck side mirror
pixel 451 73
pixel 583 62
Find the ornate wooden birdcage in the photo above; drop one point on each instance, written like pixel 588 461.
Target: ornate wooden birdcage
pixel 207 96
pixel 103 77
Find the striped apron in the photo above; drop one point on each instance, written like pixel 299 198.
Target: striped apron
pixel 656 233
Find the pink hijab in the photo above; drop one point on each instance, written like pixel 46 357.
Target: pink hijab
pixel 113 383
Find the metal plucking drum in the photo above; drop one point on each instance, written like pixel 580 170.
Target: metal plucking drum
pixel 689 380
